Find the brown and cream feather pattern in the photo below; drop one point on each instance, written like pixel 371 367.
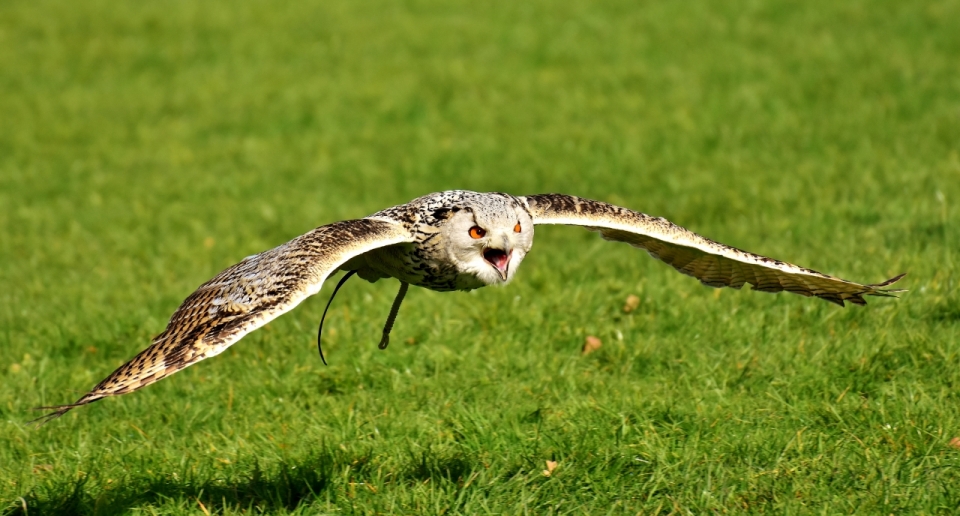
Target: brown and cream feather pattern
pixel 243 298
pixel 713 263
pixel 454 240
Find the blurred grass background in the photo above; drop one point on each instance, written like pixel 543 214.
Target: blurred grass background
pixel 146 146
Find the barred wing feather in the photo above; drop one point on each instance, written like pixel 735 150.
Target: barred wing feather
pixel 243 298
pixel 713 263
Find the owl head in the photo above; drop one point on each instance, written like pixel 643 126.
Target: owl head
pixel 487 235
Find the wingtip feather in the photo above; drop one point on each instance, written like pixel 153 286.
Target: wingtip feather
pixel 878 290
pixel 58 411
pixel 891 281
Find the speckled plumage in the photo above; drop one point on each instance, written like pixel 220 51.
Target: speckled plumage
pixel 425 243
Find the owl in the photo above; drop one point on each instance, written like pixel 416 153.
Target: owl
pixel 453 240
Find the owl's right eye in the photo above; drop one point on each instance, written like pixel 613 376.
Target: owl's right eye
pixel 477 232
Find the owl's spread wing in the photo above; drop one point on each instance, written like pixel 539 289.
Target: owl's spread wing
pixel 711 262
pixel 243 298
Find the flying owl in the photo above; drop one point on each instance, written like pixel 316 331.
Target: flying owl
pixel 454 240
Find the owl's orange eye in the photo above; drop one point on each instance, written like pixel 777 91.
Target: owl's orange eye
pixel 477 232
pixel 516 229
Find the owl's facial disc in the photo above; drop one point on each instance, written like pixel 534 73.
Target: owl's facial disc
pixel 487 240
pixel 499 260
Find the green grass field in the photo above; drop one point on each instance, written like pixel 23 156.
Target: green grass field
pixel 144 147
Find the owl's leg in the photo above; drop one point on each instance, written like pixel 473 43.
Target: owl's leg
pixel 393 315
pixel 324 316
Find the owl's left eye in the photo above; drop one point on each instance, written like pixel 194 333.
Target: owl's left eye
pixel 516 229
pixel 477 232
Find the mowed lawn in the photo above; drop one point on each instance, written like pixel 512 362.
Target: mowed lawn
pixel 145 146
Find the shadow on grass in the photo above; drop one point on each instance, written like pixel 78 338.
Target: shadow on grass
pixel 945 313
pixel 287 486
pixel 284 488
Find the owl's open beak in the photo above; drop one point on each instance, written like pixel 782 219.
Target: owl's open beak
pixel 499 259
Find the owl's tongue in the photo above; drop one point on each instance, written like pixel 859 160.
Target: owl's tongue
pixel 497 257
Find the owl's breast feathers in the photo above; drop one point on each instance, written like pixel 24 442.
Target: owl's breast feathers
pixel 425 262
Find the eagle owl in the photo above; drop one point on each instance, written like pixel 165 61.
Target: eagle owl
pixel 454 240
